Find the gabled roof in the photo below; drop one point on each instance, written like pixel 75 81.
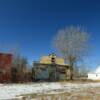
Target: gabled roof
pixel 97 69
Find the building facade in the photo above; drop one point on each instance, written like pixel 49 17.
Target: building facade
pixel 5 67
pixel 50 68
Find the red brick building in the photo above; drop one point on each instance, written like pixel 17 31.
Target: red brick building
pixel 5 67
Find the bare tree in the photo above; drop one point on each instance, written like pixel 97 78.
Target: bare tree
pixel 19 68
pixel 71 42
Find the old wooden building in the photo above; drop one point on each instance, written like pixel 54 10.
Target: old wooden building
pixel 50 68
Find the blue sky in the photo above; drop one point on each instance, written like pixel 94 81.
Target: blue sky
pixel 30 25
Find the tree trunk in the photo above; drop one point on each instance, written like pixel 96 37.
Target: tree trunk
pixel 71 73
pixel 71 63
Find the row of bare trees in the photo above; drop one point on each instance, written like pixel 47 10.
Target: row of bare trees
pixel 72 44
